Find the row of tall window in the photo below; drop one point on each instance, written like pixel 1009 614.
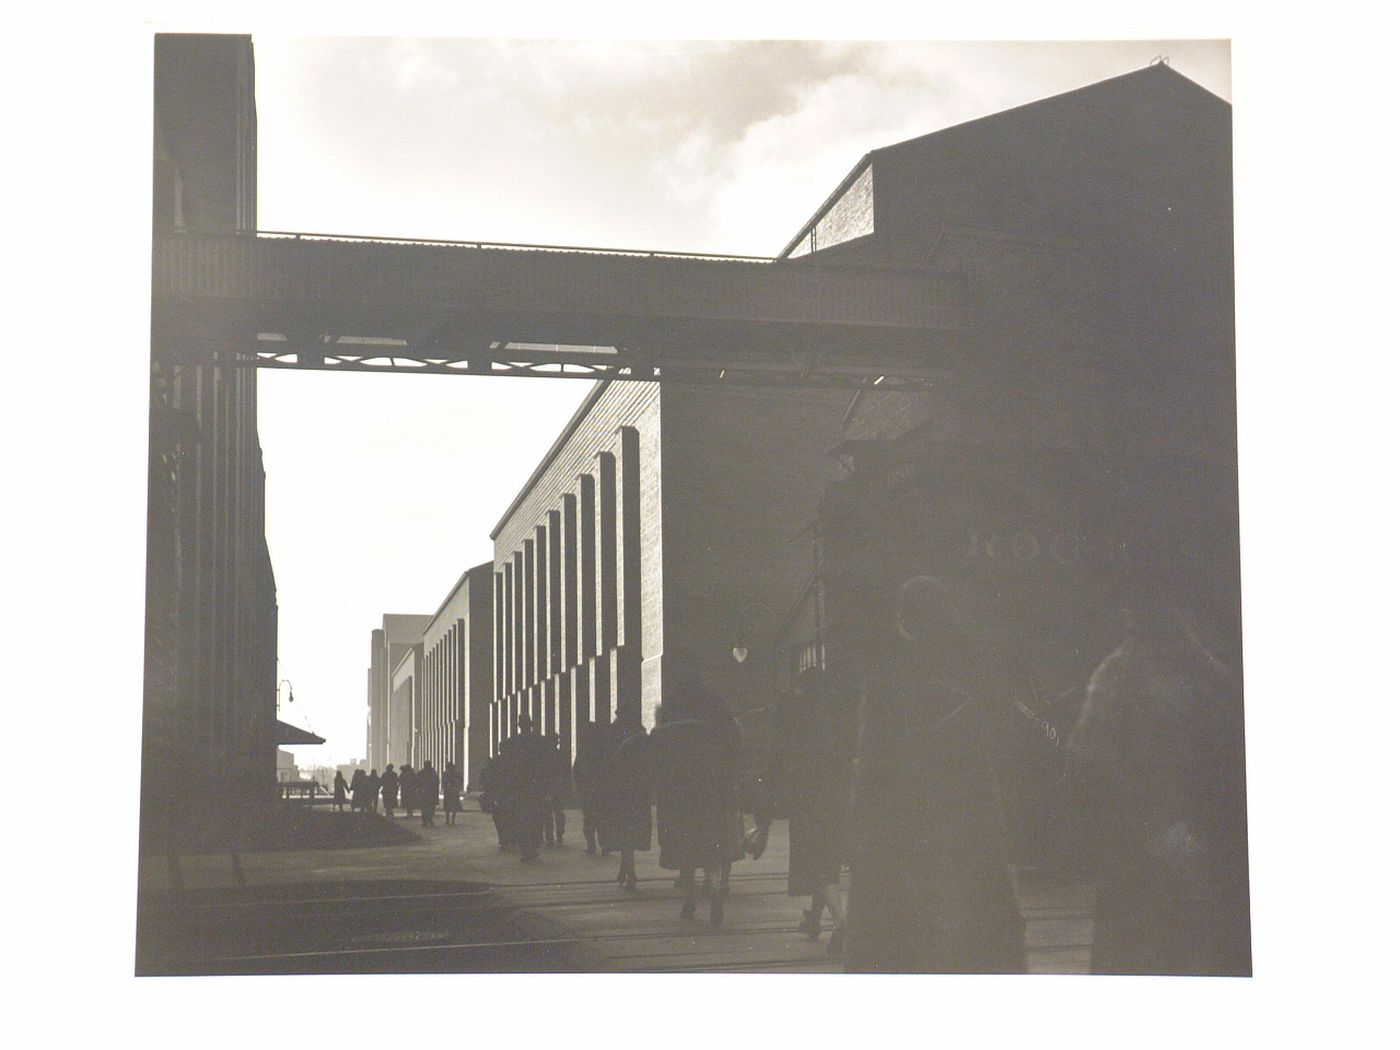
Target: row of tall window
pixel 567 605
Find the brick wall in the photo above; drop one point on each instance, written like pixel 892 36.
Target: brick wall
pixel 540 680
pixel 745 469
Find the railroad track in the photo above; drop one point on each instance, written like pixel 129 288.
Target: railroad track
pixel 472 927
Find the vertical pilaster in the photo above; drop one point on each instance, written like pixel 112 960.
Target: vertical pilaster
pixel 529 640
pixel 541 597
pixel 555 579
pixel 629 654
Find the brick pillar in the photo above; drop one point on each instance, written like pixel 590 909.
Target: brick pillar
pixel 563 695
pixel 517 678
pixel 581 690
pixel 607 570
pixel 588 594
pixel 529 641
pixel 554 579
pixel 570 595
pixel 601 667
pixel 629 654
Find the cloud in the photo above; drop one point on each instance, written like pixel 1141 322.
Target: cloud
pixel 414 67
pixel 759 187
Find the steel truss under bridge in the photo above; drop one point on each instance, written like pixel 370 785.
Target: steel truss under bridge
pixel 436 307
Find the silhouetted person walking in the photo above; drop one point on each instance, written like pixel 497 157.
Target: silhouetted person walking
pixel 451 793
pixel 560 788
pixel 525 781
pixel 809 779
pixel 425 786
pixel 407 789
pixel 586 782
pixel 931 886
pixel 624 795
pixel 496 802
pixel 1159 747
pixel 695 750
pixel 359 791
pixel 372 790
pixel 389 789
pixel 339 791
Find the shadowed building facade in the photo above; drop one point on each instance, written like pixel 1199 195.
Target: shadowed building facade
pixel 667 523
pixel 209 714
pixel 1079 459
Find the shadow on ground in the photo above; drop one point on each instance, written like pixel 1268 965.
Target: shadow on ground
pixel 380 926
pixel 291 828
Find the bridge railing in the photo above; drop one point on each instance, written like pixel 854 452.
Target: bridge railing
pixel 639 253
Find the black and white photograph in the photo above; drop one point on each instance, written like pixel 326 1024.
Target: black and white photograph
pixel 876 605
pixel 770 509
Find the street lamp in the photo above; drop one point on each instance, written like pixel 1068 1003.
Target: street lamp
pixel 290 697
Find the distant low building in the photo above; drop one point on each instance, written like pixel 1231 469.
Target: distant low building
pixel 456 690
pixel 287 766
pixel 405 707
pixel 388 644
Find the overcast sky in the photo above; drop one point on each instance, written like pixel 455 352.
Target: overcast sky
pixel 383 489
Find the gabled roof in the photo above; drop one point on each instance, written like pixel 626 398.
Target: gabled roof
pixel 1156 77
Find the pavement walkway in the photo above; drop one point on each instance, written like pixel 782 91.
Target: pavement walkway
pixel 569 902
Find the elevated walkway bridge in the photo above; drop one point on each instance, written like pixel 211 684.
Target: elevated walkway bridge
pixel 290 300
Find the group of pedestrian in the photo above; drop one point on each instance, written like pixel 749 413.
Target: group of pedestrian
pixel 917 814
pixel 525 788
pixel 419 790
pixel 363 791
pixel 689 765
pixel 1155 760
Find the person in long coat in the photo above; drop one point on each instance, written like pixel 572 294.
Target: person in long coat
pixel 389 789
pixel 372 791
pixel 587 774
pixel 425 786
pixel 407 789
pixel 932 890
pixel 526 769
pixel 809 779
pixel 695 751
pixel 451 793
pixel 495 802
pixel 624 794
pixel 1159 750
pixel 561 786
pixel 340 790
pixel 359 787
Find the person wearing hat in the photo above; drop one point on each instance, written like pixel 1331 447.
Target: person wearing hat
pixel 389 789
pixel 525 773
pixel 451 793
pixel 428 784
pixel 408 789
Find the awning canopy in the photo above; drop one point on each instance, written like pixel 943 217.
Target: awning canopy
pixel 289 734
